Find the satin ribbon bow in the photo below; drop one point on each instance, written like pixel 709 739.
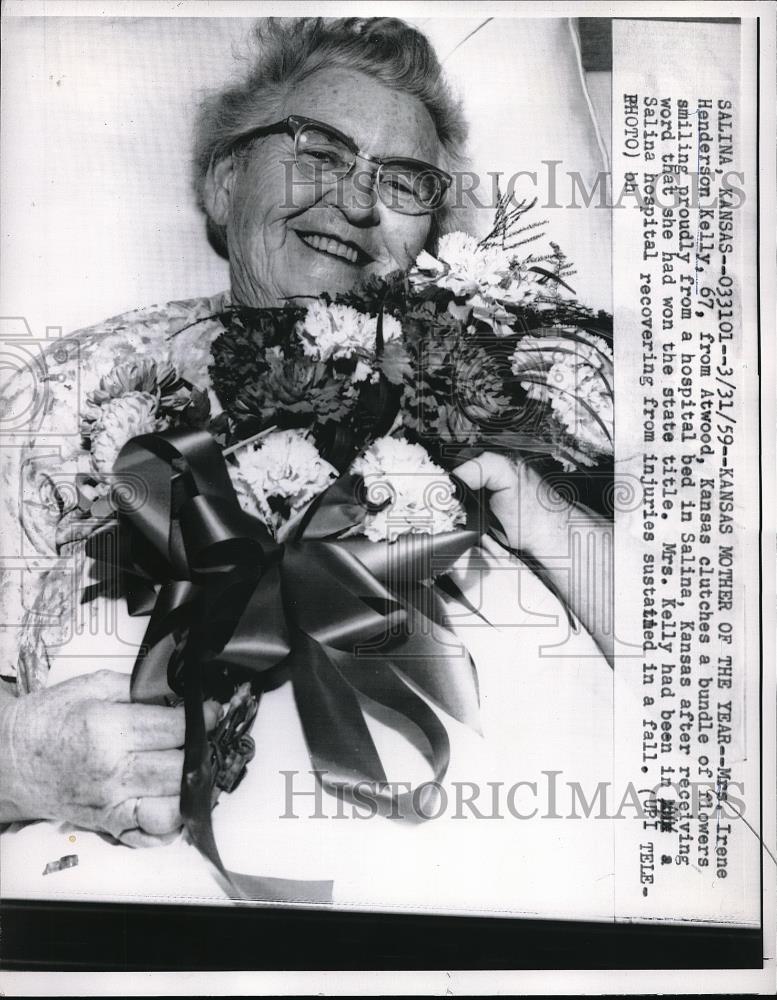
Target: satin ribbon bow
pixel 338 617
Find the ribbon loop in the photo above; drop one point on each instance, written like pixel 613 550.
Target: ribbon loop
pixel 340 616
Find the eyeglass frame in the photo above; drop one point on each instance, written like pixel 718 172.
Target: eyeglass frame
pixel 292 125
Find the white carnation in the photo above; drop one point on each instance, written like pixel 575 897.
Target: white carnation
pixel 473 265
pixel 578 398
pixel 285 465
pixel 575 377
pixel 463 266
pixel 421 496
pixel 340 331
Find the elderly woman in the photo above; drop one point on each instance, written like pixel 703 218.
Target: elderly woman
pixel 332 161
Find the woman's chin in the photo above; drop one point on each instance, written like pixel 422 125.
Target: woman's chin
pixel 331 280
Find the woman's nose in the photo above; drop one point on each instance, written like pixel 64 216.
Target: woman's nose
pixel 357 196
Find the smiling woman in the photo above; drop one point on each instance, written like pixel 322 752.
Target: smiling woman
pixel 291 227
pixel 281 231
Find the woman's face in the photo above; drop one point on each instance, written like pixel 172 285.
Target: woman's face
pixel 285 237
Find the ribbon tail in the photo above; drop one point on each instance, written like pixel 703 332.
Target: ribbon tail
pixel 436 660
pixel 377 680
pixel 338 740
pixel 254 888
pixel 151 675
pixel 115 571
pixel 451 589
pixel 196 813
pixel 149 684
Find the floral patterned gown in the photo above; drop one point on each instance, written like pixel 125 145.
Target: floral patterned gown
pixel 40 537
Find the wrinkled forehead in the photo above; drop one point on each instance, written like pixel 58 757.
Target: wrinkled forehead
pixel 381 121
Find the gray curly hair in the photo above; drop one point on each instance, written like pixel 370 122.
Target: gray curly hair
pixel 287 50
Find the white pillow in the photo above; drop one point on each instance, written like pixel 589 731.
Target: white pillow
pixel 526 104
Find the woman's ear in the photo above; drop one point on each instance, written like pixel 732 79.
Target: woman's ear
pixel 217 189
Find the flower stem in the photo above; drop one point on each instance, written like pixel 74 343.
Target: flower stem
pixel 242 444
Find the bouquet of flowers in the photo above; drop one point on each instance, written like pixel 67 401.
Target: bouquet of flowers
pixel 472 349
pixel 263 541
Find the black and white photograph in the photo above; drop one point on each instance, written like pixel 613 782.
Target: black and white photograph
pixel 386 526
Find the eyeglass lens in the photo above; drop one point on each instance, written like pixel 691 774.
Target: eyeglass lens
pixel 402 186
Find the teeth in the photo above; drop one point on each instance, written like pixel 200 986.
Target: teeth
pixel 327 244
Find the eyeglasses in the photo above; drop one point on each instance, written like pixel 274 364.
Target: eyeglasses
pixel 327 156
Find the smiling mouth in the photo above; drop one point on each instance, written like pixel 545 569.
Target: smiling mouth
pixel 334 247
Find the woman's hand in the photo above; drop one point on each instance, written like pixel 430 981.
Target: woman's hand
pixel 81 752
pixel 530 514
pixel 573 545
